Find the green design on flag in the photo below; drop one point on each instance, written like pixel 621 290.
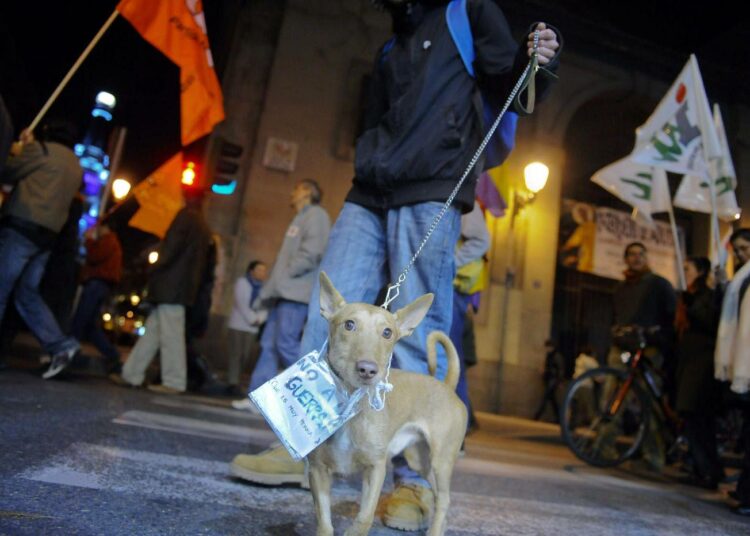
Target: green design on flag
pixel 679 135
pixel 643 187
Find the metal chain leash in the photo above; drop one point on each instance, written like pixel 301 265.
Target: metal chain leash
pixel 532 66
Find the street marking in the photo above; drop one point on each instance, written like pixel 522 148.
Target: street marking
pixel 159 475
pixel 480 467
pixel 196 427
pixel 204 408
pixel 22 515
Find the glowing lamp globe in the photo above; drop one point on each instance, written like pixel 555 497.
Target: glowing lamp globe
pixel 535 175
pixel 106 100
pixel 120 189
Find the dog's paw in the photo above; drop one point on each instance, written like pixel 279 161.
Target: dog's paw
pixel 358 529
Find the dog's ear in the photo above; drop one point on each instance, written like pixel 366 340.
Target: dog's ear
pixel 409 317
pixel 330 299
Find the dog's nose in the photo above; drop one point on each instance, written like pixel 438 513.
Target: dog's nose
pixel 367 369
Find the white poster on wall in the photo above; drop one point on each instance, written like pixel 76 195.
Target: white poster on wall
pixel 594 238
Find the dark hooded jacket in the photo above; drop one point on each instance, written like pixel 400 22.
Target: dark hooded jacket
pixel 423 121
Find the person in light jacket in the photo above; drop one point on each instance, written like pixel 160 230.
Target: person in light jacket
pixel 244 324
pixel 288 289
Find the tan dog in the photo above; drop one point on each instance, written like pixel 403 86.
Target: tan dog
pixel 421 414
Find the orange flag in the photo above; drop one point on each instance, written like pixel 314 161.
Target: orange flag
pixel 178 29
pixel 159 197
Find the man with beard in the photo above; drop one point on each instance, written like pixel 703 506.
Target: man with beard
pixel 422 126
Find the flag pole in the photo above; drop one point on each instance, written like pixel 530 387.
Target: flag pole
pixel 677 248
pixel 73 70
pixel 715 231
pixel 113 170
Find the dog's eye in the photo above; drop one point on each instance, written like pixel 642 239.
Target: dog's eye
pixel 387 333
pixel 349 325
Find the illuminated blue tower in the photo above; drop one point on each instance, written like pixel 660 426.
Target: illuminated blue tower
pixel 94 158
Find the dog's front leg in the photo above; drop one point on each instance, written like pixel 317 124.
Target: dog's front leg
pixel 320 485
pixel 372 483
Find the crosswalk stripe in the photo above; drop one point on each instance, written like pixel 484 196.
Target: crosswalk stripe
pixel 205 481
pixel 205 408
pixel 477 466
pixel 196 427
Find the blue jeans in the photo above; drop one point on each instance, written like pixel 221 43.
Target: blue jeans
pixel 279 344
pixel 86 320
pixel 22 265
pixel 366 251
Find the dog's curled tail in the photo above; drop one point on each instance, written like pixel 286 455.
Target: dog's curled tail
pixel 451 377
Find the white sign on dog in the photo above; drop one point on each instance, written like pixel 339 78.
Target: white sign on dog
pixel 305 404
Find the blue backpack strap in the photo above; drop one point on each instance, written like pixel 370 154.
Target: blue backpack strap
pixel 502 143
pixel 457 18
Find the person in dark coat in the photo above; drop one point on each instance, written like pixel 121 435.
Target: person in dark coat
pixel 422 126
pixel 46 176
pixel 696 323
pixel 173 285
pixel 100 274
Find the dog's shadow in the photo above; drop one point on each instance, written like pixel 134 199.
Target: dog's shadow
pixel 345 511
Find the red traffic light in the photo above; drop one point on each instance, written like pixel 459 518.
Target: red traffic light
pixel 188 174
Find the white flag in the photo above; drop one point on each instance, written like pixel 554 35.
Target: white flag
pixel 643 187
pixel 680 136
pixel 725 165
pixel 694 194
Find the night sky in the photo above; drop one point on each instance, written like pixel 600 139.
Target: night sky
pixel 40 41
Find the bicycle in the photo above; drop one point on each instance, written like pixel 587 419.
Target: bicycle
pixel 605 415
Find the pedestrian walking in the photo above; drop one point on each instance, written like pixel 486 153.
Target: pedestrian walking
pixel 100 274
pixel 45 177
pixel 173 285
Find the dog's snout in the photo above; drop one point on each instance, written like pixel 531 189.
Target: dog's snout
pixel 367 369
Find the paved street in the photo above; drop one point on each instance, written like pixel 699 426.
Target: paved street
pixel 82 456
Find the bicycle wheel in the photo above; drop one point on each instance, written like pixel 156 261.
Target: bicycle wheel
pixel 602 421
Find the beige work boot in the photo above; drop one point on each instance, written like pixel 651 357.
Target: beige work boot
pixel 272 467
pixel 409 507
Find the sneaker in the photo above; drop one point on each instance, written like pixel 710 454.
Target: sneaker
pixel 273 467
pixel 163 389
pixel 117 379
pixel 409 507
pixel 60 362
pixel 245 404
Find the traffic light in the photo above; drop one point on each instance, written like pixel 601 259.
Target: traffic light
pixel 188 174
pixel 226 165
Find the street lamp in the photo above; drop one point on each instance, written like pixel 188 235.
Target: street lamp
pixel 120 189
pixel 535 178
pixel 153 257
